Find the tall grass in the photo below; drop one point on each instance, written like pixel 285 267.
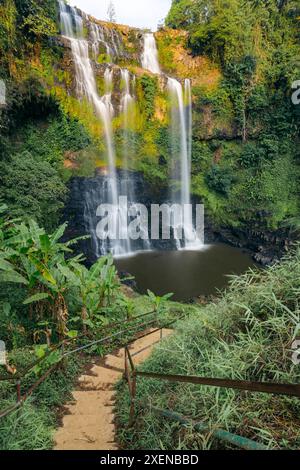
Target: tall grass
pixel 32 426
pixel 246 334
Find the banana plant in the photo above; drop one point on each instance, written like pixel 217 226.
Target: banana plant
pixel 29 256
pixel 94 286
pixel 158 303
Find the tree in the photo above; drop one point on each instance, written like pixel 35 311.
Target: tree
pixel 111 13
pixel 32 258
pixel 38 18
pixel 32 188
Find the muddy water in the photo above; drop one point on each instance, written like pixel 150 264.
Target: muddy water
pixel 187 274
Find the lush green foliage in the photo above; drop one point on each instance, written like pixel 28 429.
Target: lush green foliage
pixel 255 43
pixel 32 427
pixel 48 272
pixel 149 89
pixel 247 334
pixel 33 178
pixel 32 188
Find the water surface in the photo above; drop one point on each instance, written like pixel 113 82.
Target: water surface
pixel 187 274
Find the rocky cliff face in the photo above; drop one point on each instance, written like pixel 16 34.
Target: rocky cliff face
pixel 82 216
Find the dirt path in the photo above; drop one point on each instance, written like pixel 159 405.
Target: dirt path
pixel 89 420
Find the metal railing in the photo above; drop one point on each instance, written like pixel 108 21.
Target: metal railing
pixel 131 375
pixel 20 375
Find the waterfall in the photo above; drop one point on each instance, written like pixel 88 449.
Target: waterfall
pixel 86 87
pixel 181 142
pixel 128 110
pixel 98 37
pixel 181 129
pixel 107 97
pixel 127 103
pixel 109 39
pixel 66 20
pixel 150 54
pixel 107 189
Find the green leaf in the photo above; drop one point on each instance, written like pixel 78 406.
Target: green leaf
pixel 6 307
pixel 45 242
pixel 6 265
pixel 58 234
pixel 40 351
pixel 12 276
pixel 72 334
pixel 65 271
pixel 89 323
pixel 43 270
pixel 36 298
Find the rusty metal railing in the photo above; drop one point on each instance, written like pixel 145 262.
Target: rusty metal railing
pixel 17 378
pixel 131 375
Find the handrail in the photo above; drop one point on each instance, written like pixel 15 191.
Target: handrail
pixel 257 387
pixel 222 434
pixel 22 399
pixel 56 347
pixel 292 390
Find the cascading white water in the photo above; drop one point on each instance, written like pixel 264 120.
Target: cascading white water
pixel 127 101
pixel 181 128
pixel 108 189
pixel 107 97
pixel 65 20
pixel 189 117
pixel 98 37
pixel 150 54
pixel 127 110
pixel 108 38
pixel 181 140
pixel 87 88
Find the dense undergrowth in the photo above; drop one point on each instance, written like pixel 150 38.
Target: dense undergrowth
pixel 32 427
pixel 247 334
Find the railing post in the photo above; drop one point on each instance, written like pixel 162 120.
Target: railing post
pixel 132 404
pixel 62 362
pixel 18 390
pixel 125 364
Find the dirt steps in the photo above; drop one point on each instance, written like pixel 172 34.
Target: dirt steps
pixel 88 423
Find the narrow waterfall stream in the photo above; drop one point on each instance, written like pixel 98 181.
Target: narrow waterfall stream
pixel 150 54
pixel 181 142
pixel 181 130
pixel 86 87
